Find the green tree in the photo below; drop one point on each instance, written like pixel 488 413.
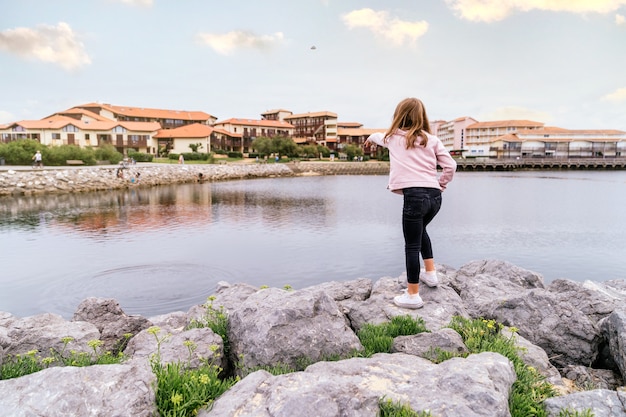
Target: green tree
pixel 352 151
pixel 195 146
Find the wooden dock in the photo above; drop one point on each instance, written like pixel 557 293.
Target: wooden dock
pixel 541 163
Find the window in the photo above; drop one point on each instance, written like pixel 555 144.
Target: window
pixel 56 136
pixel 86 136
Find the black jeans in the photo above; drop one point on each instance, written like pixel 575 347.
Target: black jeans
pixel 421 205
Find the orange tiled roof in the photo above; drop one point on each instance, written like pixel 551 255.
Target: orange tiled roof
pixel 556 130
pixel 314 114
pixel 357 131
pixel 349 124
pixel 195 130
pixel 56 122
pixel 149 113
pixel 85 112
pixel 505 123
pixel 253 122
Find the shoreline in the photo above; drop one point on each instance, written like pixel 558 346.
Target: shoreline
pixel 24 180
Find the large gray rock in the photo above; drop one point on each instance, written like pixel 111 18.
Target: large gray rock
pixel 274 326
pixel 614 331
pixel 567 335
pixel 476 386
pixel 440 305
pixel 99 390
pixel 426 345
pixel 109 318
pixel 594 299
pixel 190 347
pixel 601 402
pixel 43 332
pixel 481 284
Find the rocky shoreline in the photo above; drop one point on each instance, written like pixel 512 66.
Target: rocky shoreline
pixel 571 332
pixel 97 178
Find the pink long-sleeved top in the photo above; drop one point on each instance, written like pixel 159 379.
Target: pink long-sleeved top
pixel 416 167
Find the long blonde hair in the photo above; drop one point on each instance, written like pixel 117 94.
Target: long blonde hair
pixel 410 116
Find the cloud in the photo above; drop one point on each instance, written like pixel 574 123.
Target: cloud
pixel 141 3
pixel 619 19
pixel 393 29
pixel 516 113
pixel 226 43
pixel 617 96
pixel 58 45
pixel 494 10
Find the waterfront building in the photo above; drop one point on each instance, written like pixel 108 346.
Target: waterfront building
pixel 480 135
pixel 453 134
pixel 238 134
pixel 177 140
pixel 353 133
pixel 317 128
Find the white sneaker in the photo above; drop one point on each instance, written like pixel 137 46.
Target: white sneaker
pixel 408 301
pixel 429 279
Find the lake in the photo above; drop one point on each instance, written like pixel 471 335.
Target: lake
pixel 162 249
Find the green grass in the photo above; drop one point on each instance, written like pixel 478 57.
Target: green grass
pixel 379 338
pixel 530 389
pixel 15 366
pixel 390 408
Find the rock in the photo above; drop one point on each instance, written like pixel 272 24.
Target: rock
pixel 596 300
pixel 476 386
pixel 425 345
pixel 99 390
pixel 601 402
pixel 109 318
pixel 614 331
pixel 45 331
pixel 565 333
pixel 274 326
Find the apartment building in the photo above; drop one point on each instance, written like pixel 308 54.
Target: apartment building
pixel 277 114
pixel 177 140
pixel 479 135
pixel 168 119
pixel 453 134
pixel 353 133
pixel 238 134
pixel 317 127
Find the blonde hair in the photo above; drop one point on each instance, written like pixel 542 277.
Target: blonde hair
pixel 410 116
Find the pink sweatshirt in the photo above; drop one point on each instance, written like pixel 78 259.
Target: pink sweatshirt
pixel 416 167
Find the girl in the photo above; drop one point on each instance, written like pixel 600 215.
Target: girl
pixel 414 154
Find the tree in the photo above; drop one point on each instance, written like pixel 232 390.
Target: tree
pixel 277 145
pixel 352 151
pixel 195 146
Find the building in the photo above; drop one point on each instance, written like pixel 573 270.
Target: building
pixel 319 127
pixel 480 135
pixel 278 114
pixel 453 134
pixel 353 133
pixel 555 142
pixel 238 134
pixel 178 140
pixel 62 130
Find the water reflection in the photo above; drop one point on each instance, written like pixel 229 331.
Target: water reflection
pixel 161 249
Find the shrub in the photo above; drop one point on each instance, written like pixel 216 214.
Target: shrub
pixel 108 153
pixel 140 156
pixel 233 154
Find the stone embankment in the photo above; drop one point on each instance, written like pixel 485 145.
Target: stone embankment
pixel 571 332
pixel 83 179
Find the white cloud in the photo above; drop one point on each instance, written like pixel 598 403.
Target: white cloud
pixel 58 45
pixel 618 95
pixel 6 117
pixel 142 3
pixel 494 10
pixel 393 29
pixel 515 113
pixel 619 19
pixel 228 42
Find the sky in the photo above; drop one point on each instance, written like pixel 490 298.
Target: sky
pixel 560 62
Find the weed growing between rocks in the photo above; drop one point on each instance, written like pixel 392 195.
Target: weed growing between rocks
pixel 530 389
pixel 216 320
pixel 388 408
pixel 379 338
pixel 572 413
pixel 181 391
pixel 15 366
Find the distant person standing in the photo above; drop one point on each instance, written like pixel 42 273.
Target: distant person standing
pixel 37 158
pixel 181 159
pixel 414 154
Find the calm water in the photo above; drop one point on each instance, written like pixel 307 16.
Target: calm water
pixel 164 249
